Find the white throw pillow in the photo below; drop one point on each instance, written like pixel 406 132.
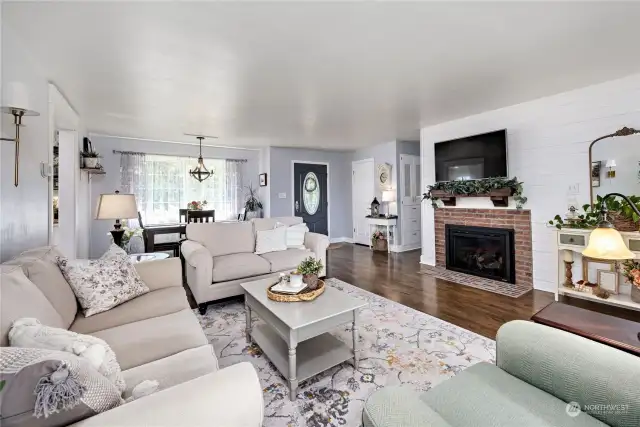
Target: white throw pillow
pixel 295 236
pixel 271 240
pixel 29 332
pixel 102 284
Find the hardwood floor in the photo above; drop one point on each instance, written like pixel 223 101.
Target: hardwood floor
pixel 395 276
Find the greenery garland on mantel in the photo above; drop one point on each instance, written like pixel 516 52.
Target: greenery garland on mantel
pixel 477 187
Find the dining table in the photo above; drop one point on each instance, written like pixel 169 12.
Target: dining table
pixel 154 230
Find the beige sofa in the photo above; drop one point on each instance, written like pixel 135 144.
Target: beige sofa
pixel 155 336
pixel 220 256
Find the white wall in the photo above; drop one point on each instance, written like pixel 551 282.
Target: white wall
pixel 548 141
pixel 110 182
pixel 25 209
pixel 382 153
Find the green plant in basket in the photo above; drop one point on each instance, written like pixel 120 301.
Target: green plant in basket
pixel 310 268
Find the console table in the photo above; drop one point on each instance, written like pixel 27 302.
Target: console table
pixel 613 331
pixel 391 225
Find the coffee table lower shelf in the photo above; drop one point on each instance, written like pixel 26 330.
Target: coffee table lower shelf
pixel 313 356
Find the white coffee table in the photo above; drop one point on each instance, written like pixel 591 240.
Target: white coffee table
pixel 295 336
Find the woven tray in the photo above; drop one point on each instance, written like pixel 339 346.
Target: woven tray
pixel 306 295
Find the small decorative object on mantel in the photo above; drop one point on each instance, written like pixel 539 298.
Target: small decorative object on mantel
pixel 379 241
pixel 196 205
pixel 497 189
pixel 631 272
pixel 309 268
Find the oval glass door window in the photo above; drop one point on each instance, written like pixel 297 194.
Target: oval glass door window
pixel 311 193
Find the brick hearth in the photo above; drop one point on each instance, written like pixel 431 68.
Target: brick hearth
pixel 518 220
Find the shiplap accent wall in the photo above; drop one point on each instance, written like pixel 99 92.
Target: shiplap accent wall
pixel 548 141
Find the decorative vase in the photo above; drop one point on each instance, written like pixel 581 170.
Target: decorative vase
pixel 311 280
pixel 635 293
pixel 90 162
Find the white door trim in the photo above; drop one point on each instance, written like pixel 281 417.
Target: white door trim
pixel 353 200
pixel 293 189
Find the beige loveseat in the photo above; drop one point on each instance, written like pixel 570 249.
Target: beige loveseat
pixel 155 336
pixel 220 256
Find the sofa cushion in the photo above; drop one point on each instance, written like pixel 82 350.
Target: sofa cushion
pixel 21 298
pixel 485 395
pixel 271 240
pixel 153 304
pixel 142 342
pixel 223 238
pixel 30 399
pixel 104 283
pixel 260 224
pixel 173 370
pixel 238 266
pixel 41 267
pixel 286 260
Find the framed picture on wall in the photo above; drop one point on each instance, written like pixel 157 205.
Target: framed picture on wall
pixel 595 173
pixel 263 179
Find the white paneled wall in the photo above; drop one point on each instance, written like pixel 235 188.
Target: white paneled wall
pixel 548 142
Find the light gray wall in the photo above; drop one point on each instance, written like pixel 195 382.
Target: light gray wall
pixel 280 160
pixel 24 210
pixel 381 153
pixel 111 181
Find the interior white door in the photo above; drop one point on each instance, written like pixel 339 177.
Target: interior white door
pixel 362 191
pixel 409 180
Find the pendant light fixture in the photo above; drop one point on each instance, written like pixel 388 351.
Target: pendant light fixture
pixel 200 172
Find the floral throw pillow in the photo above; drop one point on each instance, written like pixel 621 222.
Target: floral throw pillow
pixel 102 284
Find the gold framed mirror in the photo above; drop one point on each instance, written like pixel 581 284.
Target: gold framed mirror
pixel 614 164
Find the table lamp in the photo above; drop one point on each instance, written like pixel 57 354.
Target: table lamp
pixel 605 242
pixel 388 197
pixel 117 206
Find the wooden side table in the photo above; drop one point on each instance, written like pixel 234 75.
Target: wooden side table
pixel 613 331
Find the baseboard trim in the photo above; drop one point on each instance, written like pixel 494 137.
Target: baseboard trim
pixel 340 240
pixel 402 248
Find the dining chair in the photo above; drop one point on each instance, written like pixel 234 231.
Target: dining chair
pixel 201 216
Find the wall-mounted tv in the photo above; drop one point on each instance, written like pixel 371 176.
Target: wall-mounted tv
pixel 473 157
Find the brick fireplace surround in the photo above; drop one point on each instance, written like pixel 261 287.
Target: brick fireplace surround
pixel 518 220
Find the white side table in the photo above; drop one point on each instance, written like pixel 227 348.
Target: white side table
pixel 390 223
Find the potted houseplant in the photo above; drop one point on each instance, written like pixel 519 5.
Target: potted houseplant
pixel 252 205
pixel 90 159
pixel 620 214
pixel 309 268
pixel 379 241
pixel 631 272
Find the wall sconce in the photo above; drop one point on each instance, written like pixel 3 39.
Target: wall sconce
pixel 610 165
pixel 17 101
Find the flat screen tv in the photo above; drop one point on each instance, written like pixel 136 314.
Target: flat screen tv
pixel 473 157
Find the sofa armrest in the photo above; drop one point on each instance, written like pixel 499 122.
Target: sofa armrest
pixel 158 274
pixel 229 397
pixel 573 369
pixel 318 244
pixel 198 268
pixel 399 406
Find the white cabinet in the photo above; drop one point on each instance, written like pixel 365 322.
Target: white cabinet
pixel 410 198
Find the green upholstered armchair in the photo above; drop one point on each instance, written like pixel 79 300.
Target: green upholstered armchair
pixel 539 372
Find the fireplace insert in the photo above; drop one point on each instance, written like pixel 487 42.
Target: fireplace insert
pixel 481 251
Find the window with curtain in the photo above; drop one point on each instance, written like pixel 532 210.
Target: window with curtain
pixel 163 186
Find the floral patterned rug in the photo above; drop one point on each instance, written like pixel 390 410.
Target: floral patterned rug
pixel 398 345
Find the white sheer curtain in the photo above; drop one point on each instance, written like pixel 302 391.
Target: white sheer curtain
pixel 163 186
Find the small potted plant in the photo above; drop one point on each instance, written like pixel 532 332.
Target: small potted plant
pixel 309 268
pixel 252 205
pixel 196 205
pixel 379 241
pixel 90 159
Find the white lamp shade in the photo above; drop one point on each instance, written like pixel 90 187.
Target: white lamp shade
pixel 607 243
pixel 116 206
pixel 610 164
pixel 388 196
pixel 16 95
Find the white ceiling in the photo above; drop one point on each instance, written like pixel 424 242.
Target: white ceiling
pixel 332 76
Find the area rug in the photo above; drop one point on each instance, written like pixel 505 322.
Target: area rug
pixel 502 288
pixel 398 345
